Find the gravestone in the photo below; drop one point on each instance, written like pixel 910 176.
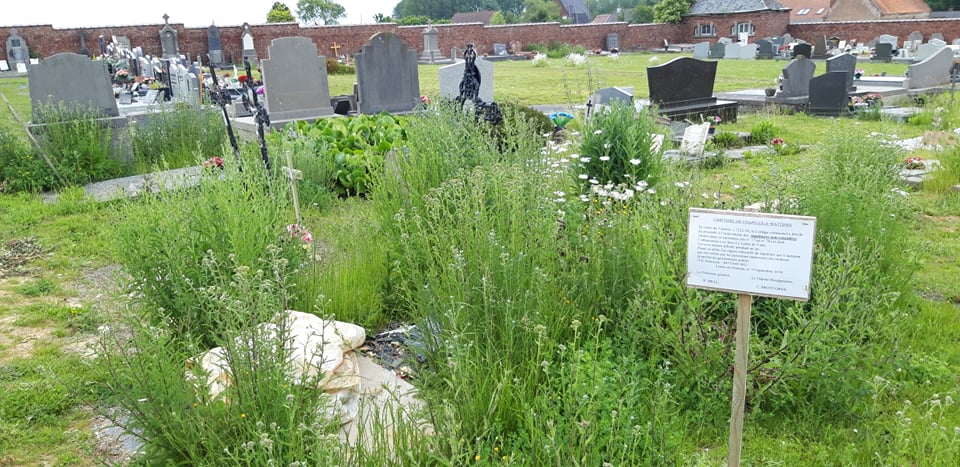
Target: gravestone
pixel 295 78
pixel 151 96
pixel 515 47
pixel 717 50
pixel 214 46
pixel 926 50
pixel 915 36
pixel 122 44
pixel 765 49
pixel 748 51
pixel 731 50
pixel 887 39
pixel 146 68
pixel 828 94
pixel 804 50
pixel 185 85
pixel 786 38
pixel 819 47
pixel 937 42
pixel 607 95
pixel 83 44
pixel 21 67
pixel 500 50
pixel 934 71
pixel 431 47
pixel 844 63
pixel 701 50
pixel 936 35
pixel 796 78
pixel 695 139
pixel 4 66
pixel 126 98
pixel 17 50
pixel 73 79
pixel 683 87
pixel 169 42
pixel 613 41
pixel 249 51
pixel 450 76
pixel 387 78
pixel 724 40
pixel 882 52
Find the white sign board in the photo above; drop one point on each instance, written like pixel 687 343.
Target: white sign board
pixel 769 255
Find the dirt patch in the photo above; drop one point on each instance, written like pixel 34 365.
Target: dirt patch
pixel 15 254
pixel 17 341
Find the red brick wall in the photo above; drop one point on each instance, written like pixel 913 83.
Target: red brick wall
pixel 46 40
pixel 865 31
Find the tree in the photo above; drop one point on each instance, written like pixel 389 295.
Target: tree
pixel 541 11
pixel 315 11
pixel 280 13
pixel 643 14
pixel 671 11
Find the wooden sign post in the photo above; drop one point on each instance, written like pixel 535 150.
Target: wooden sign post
pixel 749 254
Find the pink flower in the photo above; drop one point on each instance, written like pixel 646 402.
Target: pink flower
pixel 213 162
pixel 298 231
pixel 777 141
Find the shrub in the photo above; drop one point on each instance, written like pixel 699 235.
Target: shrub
pixel 21 168
pixel 78 143
pixel 230 217
pixel 616 147
pixel 763 132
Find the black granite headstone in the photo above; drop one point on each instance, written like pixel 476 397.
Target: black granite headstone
pixel 681 80
pixel 828 94
pixel 718 50
pixel 802 49
pixel 883 52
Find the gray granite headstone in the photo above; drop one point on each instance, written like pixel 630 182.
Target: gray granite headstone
pixel 717 50
pixel 185 85
pixel 828 93
pixel 936 35
pixel 500 50
pixel 151 96
pixel 933 71
pixel 701 50
pixel 731 50
pixel 169 41
pixel 613 41
pixel 796 77
pixel 83 44
pixel 607 95
pixel 214 46
pixel 748 51
pixel 765 49
pixel 888 39
pixel 915 36
pixel 246 39
pixel 295 77
pixel 937 42
pixel 927 50
pixel 146 69
pixel 450 76
pixel 122 44
pixel 883 52
pixel 17 50
pixel 844 63
pixel 387 78
pixel 786 38
pixel 431 47
pixel 73 79
pixel 820 47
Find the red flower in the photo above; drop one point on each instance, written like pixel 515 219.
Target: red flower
pixel 242 78
pixel 213 162
pixel 777 141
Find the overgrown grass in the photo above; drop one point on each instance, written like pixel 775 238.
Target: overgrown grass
pixel 177 137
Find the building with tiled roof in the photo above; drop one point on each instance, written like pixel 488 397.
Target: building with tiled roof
pixel 713 7
pixel 808 11
pixel 862 10
pixel 575 10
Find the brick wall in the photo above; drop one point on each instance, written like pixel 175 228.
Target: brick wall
pixel 47 40
pixel 865 31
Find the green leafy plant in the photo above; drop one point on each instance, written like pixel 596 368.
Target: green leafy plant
pixel 762 132
pixel 21 168
pixel 617 147
pixel 727 139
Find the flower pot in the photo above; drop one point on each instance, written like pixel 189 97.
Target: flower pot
pixel 769 92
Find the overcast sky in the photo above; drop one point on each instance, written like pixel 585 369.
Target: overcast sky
pixel 72 13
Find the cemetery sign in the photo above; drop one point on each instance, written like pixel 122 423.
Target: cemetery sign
pixel 752 253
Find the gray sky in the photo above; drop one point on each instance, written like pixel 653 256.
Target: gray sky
pixel 72 13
